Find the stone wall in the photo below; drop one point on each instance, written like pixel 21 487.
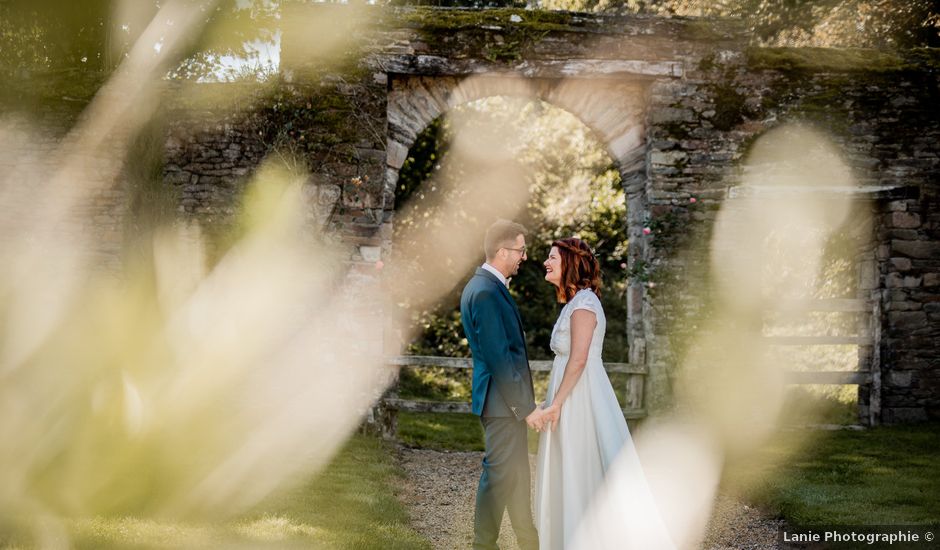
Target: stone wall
pixel 882 118
pixel 908 264
pixel 704 98
pixel 331 127
pixel 692 98
pixel 36 118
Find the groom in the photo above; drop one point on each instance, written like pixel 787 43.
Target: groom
pixel 502 392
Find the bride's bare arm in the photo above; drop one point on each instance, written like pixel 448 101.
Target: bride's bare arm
pixel 582 330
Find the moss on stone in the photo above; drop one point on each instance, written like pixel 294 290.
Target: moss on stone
pixel 826 60
pixel 675 130
pixel 706 30
pixel 436 19
pixel 923 58
pixel 707 63
pixel 729 105
pixel 482 27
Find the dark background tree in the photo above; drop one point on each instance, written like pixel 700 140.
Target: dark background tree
pixel 39 36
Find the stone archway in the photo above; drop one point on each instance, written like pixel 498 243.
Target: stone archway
pixel 614 109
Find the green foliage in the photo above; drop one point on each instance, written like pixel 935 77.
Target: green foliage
pixel 56 35
pixel 423 160
pixel 820 403
pixel 573 190
pixel 91 36
pixel 729 105
pixel 235 30
pixel 670 227
pixel 673 231
pixel 866 23
pixel 301 121
pixel 884 475
pixel 858 23
pixel 434 384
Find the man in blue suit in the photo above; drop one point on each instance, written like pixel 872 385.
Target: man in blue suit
pixel 502 392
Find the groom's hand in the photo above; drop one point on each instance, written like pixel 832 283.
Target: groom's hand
pixel 534 420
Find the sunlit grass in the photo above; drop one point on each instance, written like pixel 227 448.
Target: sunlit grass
pixel 820 404
pixel 441 431
pixel 351 504
pixel 885 475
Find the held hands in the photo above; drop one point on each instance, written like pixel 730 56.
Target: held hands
pixel 551 414
pixel 543 416
pixel 534 420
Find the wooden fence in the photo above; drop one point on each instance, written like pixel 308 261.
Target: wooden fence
pixel 867 376
pixel 391 404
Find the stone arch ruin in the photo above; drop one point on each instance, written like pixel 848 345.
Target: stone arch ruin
pixel 613 108
pixel 677 101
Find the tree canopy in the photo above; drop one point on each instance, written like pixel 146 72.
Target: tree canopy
pixel 96 35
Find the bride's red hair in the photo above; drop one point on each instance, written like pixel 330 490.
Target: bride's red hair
pixel 579 269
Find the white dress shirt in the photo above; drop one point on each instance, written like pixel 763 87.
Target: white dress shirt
pixel 496 272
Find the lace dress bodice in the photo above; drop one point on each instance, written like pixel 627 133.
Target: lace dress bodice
pixel 561 334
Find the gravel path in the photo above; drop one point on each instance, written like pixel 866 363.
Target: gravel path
pixel 440 488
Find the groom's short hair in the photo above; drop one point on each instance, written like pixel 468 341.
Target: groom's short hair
pixel 499 235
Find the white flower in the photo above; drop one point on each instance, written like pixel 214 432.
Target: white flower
pixel 515 18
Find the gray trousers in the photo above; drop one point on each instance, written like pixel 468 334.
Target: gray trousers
pixel 504 484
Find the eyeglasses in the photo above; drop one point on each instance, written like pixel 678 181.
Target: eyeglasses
pixel 520 250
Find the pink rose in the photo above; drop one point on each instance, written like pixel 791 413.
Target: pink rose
pixel 693 200
pixel 647 230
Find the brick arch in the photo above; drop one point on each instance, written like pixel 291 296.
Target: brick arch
pixel 614 109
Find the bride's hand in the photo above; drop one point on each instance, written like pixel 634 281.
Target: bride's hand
pixel 551 415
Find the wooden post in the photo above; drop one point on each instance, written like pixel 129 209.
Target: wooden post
pixel 386 417
pixel 634 398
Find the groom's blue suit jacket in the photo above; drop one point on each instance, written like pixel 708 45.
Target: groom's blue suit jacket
pixel 502 382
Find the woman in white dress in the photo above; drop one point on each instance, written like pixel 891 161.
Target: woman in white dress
pixel 583 427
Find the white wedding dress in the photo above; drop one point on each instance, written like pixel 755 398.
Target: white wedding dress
pixel 573 459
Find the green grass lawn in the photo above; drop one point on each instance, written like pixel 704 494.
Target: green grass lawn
pixel 884 475
pixel 441 431
pixel 352 504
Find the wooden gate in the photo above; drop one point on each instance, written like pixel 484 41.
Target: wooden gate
pixel 868 374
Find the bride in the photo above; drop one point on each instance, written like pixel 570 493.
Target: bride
pixel 585 424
